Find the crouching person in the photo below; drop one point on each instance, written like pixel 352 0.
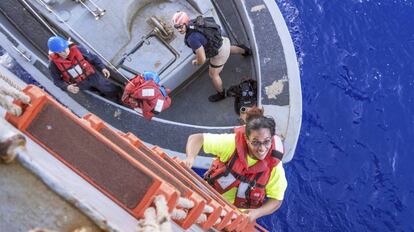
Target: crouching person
pixel 145 93
pixel 74 68
pixel 248 168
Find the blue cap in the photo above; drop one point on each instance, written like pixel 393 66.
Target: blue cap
pixel 152 76
pixel 57 44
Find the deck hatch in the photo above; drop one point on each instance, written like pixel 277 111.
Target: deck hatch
pixel 138 61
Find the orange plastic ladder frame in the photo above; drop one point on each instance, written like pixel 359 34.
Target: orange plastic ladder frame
pixel 234 223
pixel 188 171
pixel 253 227
pixel 212 217
pixel 236 212
pixel 243 224
pixel 238 224
pixel 225 220
pixel 259 228
pixel 199 203
pixel 39 99
pixel 217 207
pixel 250 228
pixel 178 164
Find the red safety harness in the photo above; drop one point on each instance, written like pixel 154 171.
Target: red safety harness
pixel 250 181
pixel 75 68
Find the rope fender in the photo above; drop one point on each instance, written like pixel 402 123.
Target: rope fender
pixel 11 90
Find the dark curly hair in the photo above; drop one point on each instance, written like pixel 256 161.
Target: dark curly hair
pixel 259 122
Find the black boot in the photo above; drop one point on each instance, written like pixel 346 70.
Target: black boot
pixel 247 51
pixel 217 97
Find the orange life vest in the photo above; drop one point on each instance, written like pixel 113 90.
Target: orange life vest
pixel 250 181
pixel 146 95
pixel 75 68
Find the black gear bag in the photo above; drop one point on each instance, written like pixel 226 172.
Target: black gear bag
pixel 245 94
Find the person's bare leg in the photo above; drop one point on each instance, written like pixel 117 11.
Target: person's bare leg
pixel 214 74
pixel 240 49
pixel 236 50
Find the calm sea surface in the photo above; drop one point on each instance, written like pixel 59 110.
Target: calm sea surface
pixel 353 166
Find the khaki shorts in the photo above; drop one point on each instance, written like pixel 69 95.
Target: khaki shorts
pixel 224 52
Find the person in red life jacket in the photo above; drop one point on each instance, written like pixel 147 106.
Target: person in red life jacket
pixel 203 36
pixel 145 93
pixel 74 68
pixel 248 168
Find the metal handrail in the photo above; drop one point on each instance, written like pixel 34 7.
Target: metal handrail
pixel 81 38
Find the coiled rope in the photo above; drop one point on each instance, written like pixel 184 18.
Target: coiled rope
pixel 158 219
pixel 10 82
pixel 14 91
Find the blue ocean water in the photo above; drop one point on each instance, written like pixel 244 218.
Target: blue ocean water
pixel 353 163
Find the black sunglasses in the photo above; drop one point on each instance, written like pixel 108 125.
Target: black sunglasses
pixel 176 26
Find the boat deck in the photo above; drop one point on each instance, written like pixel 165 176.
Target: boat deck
pixel 191 112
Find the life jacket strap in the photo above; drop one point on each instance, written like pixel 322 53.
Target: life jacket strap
pixel 211 180
pixel 277 154
pixel 252 185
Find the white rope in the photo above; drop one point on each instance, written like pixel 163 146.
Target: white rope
pixel 234 216
pixel 229 222
pixel 5 90
pixel 163 218
pixel 208 209
pixel 149 223
pixel 10 82
pixel 14 91
pixel 185 203
pixel 157 219
pixel 218 221
pixel 178 214
pixel 202 218
pixel 10 107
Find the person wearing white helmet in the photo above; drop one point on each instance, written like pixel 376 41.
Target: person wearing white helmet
pixel 204 37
